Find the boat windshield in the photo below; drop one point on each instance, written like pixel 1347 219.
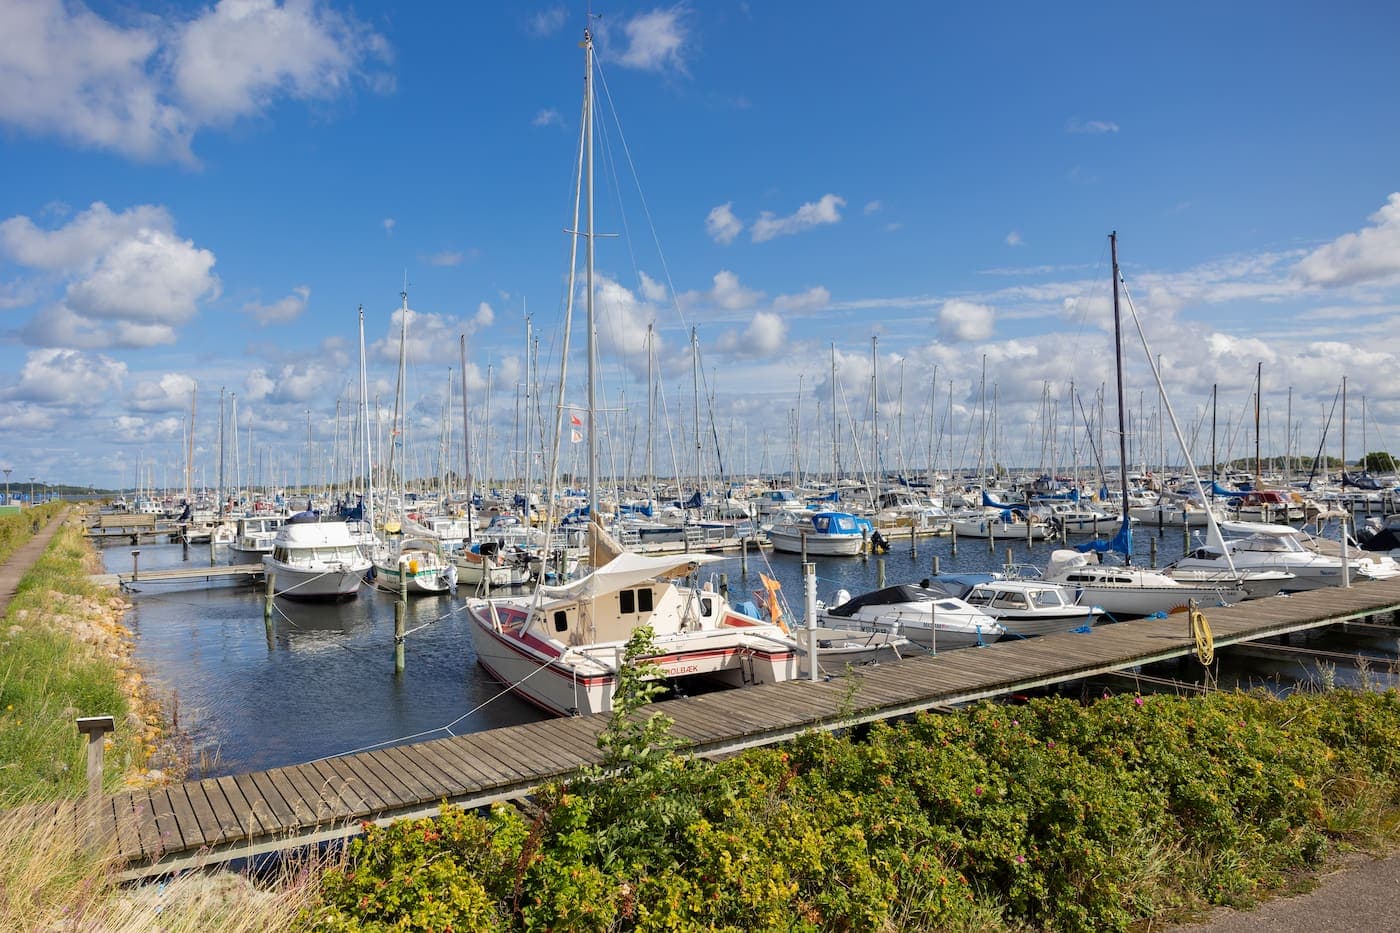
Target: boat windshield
pixel 1273 543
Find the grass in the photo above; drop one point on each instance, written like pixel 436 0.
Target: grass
pixel 18 528
pixel 48 881
pixel 63 654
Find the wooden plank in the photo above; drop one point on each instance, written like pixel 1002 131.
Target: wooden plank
pixel 313 805
pixel 414 790
pixel 495 745
pixel 364 780
pixel 453 777
pixel 283 812
pixel 261 807
pixel 433 785
pixel 380 779
pixel 124 818
pixel 147 827
pixel 190 832
pixel 225 815
pixel 514 746
pixel 248 818
pixel 478 775
pixel 554 734
pixel 202 812
pixel 347 788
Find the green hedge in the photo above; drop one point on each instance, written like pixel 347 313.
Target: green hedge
pixel 1052 815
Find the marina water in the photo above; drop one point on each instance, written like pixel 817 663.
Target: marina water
pixel 324 684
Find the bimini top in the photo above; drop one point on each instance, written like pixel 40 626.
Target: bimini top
pixel 890 596
pixel 627 569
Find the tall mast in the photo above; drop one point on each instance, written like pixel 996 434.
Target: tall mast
pixel 592 337
pixel 529 442
pixel 220 508
pixel 1118 364
pixel 695 397
pixel 835 442
pixel 466 436
pixel 1259 391
pixel 1344 430
pixel 651 411
pixel 875 421
pixel 368 437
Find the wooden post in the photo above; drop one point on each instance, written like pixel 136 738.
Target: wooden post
pixel 991 538
pixel 879 573
pixel 1009 559
pixel 913 541
pixel 935 565
pixel 744 557
pixel 1152 553
pixel 269 591
pixel 864 544
pixel 1161 518
pixel 211 549
pixel 400 612
pixel 953 540
pixel 724 585
pixel 1029 529
pixel 135 565
pixel 184 546
pixel 96 729
pixel 803 538
pixel 1185 535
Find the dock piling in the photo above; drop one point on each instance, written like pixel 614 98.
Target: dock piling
pixel 269 590
pixel 809 592
pixel 913 541
pixel 135 565
pixel 935 565
pixel 953 540
pixel 1152 553
pixel 400 612
pixel 879 573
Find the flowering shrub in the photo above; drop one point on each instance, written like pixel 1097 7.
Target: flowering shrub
pixel 1051 814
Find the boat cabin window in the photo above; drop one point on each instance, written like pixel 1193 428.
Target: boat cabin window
pixel 822 523
pixel 979 598
pixel 707 606
pixel 561 620
pixel 1048 598
pixel 627 601
pixel 1010 601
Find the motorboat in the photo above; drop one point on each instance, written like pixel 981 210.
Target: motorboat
pixel 418 565
pixel 253 537
pixel 491 564
pixel 561 647
pixel 312 559
pixel 819 533
pixel 1257 546
pixel 930 617
pixel 1026 608
pixel 1125 591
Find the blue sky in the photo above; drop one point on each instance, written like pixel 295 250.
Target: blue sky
pixel 201 195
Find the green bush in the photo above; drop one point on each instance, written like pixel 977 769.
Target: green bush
pixel 1053 815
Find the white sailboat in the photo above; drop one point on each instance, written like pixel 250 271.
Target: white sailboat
pixel 561 647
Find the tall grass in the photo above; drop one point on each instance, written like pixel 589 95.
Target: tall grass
pixel 62 655
pixel 48 881
pixel 19 527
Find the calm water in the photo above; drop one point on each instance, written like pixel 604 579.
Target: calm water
pixel 325 683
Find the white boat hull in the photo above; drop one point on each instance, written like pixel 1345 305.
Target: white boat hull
pixel 817 545
pixel 327 583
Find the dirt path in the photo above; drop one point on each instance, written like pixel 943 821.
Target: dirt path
pixel 20 562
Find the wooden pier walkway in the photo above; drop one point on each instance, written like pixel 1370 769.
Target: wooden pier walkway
pixel 177 574
pixel 164 829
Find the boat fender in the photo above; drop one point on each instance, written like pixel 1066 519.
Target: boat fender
pixel 842 597
pixel 413 566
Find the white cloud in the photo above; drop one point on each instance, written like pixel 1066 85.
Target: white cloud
pixel 730 295
pixel 238 57
pixel 1090 127
pixel 149 278
pixel 765 335
pixel 827 210
pixel 651 289
pixel 171 392
pixel 722 225
pixel 145 91
pixel 283 310
pixel 258 385
pixel 547 117
pixel 655 40
pixel 485 316
pixel 130 280
pixel 965 320
pixel 66 377
pixel 809 300
pixel 389 225
pixel 1369 254
pixel 447 258
pixel 431 337
pixel 1014 239
pixel 872 206
pixel 622 323
pixel 546 22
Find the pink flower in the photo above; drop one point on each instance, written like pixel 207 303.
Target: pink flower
pixel 1020 860
pixel 1051 743
pixel 1137 701
pixel 977 791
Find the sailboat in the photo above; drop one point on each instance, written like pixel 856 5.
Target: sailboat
pixel 1122 589
pixel 561 647
pixel 417 564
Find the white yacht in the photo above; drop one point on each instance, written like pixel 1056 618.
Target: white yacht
pixel 1255 546
pixel 1126 591
pixel 312 559
pixel 1026 608
pixel 928 617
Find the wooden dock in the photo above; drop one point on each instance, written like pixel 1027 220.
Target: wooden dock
pixel 165 829
pixel 176 574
